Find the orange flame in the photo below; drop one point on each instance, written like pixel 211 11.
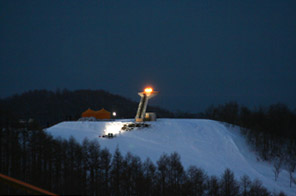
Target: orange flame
pixel 148 90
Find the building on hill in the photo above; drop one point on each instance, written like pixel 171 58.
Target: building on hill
pixel 88 113
pixel 99 115
pixel 102 114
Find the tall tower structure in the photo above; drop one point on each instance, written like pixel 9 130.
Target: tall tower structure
pixel 147 94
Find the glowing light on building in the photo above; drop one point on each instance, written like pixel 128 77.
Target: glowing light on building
pixel 148 90
pixel 147 94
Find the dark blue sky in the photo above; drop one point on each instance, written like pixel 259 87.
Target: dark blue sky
pixel 196 53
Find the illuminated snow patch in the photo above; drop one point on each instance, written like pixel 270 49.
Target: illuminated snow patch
pixel 114 128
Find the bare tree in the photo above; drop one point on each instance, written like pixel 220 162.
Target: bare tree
pixel 197 180
pixel 228 184
pixel 257 188
pixel 292 166
pixel 213 186
pixel 277 164
pixel 245 183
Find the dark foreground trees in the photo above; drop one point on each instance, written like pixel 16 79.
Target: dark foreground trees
pixel 67 167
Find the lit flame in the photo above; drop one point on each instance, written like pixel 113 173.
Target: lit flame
pixel 148 90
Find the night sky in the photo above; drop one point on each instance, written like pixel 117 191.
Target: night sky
pixel 196 53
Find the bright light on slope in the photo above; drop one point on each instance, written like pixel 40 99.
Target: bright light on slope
pixel 113 127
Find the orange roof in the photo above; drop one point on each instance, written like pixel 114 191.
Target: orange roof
pixel 101 114
pixel 88 113
pixel 102 111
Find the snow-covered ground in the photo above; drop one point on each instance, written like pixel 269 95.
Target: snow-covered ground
pixel 205 143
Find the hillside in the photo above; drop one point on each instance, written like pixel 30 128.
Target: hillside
pixel 49 107
pixel 205 143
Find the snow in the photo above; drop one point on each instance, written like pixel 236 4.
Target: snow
pixel 208 144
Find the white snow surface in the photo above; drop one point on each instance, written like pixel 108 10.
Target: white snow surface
pixel 208 144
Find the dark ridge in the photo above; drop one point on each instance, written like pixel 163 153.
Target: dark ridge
pixel 48 107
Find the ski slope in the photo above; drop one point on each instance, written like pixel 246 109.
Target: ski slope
pixel 207 144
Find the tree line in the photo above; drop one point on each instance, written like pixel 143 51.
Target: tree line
pixel 49 107
pixel 66 167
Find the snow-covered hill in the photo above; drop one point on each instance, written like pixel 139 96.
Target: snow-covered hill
pixel 205 143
